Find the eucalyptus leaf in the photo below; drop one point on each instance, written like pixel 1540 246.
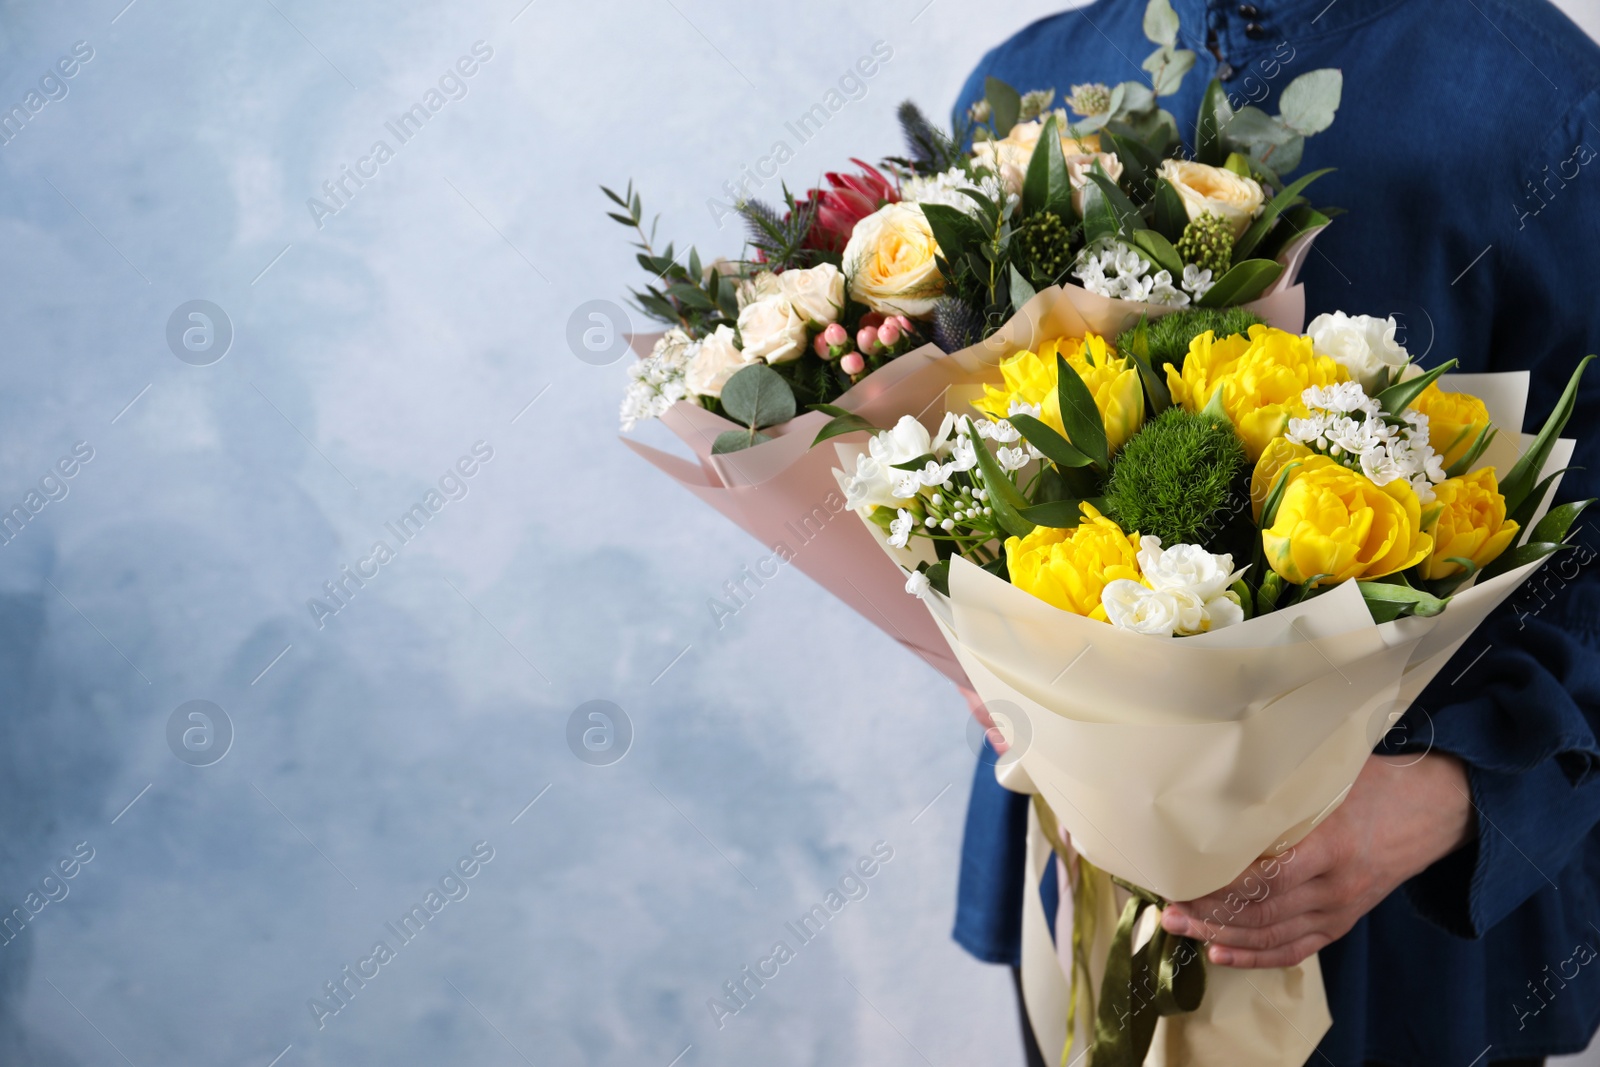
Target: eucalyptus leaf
pixel 1167 68
pixel 1136 98
pixel 1252 126
pixel 758 396
pixel 1307 104
pixel 736 441
pixel 1161 23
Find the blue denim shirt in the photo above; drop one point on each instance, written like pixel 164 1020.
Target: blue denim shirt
pixel 1468 148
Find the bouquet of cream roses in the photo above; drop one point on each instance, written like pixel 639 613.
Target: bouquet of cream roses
pixel 1283 537
pixel 946 243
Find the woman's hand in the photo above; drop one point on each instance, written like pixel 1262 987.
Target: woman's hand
pixel 1402 815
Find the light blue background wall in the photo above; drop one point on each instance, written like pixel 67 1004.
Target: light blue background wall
pixel 373 752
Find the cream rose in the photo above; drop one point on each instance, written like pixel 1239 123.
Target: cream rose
pixel 817 293
pixel 772 330
pixel 1009 156
pixel 1362 345
pixel 1078 168
pixel 890 262
pixel 715 362
pixel 1213 190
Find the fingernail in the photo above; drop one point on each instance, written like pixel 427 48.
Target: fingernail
pixel 1174 923
pixel 1221 956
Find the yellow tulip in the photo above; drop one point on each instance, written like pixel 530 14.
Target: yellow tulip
pixel 1454 420
pixel 1031 378
pixel 1470 524
pixel 1070 568
pixel 1261 377
pixel 1278 455
pixel 1334 521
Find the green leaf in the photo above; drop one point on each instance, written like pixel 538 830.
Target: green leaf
pixel 1399 396
pixel 1522 514
pixel 1308 103
pixel 1046 186
pixel 736 441
pixel 1238 164
pixel 1159 251
pixel 939 576
pixel 1520 556
pixel 1295 221
pixel 1215 113
pixel 1171 217
pixel 1161 23
pixel 1269 506
pixel 1394 601
pixel 1056 514
pixel 1128 219
pixel 758 396
pixel 1079 414
pixel 1517 484
pixel 1242 283
pixel 1004 496
pixel 1057 449
pixel 1268 592
pixel 1254 128
pixel 1557 521
pixel 1480 444
pixel 1139 166
pixel 1021 291
pixel 1241 589
pixel 1276 206
pixel 848 422
pixel 1167 67
pixel 957 233
pixel 1005 104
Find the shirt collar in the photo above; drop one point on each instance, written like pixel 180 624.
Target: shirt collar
pixel 1248 26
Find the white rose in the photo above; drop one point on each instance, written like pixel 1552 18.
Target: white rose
pixel 772 330
pixel 890 262
pixel 1078 168
pixel 1362 345
pixel 1214 190
pixel 1132 606
pixel 752 289
pixel 816 294
pixel 715 362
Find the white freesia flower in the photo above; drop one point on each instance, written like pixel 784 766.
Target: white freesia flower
pixel 1363 345
pixel 918 585
pixel 716 360
pixel 900 528
pixel 1198 582
pixel 816 294
pixel 1132 606
pixel 772 330
pixel 877 482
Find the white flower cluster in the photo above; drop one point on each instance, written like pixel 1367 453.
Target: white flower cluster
pixel 657 382
pixel 1115 270
pixel 945 188
pixel 877 480
pixel 1348 425
pixel 1185 591
pixel 1363 345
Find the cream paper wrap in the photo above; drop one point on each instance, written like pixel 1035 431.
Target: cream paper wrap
pixel 1174 764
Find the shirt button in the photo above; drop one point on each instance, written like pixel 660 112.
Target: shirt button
pixel 1255 31
pixel 1249 11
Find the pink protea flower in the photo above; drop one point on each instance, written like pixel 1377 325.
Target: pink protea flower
pixel 848 199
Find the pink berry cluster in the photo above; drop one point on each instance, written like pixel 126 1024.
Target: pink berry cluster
pixel 879 335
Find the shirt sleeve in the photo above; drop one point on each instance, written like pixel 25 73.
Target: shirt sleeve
pixel 1520 704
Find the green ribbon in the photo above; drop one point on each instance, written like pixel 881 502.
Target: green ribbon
pixel 1166 976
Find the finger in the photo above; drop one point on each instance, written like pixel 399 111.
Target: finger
pixel 1273 874
pixel 1278 935
pixel 1269 910
pixel 1284 956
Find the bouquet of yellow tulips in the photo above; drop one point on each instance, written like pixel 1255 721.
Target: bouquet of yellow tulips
pixel 1283 537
